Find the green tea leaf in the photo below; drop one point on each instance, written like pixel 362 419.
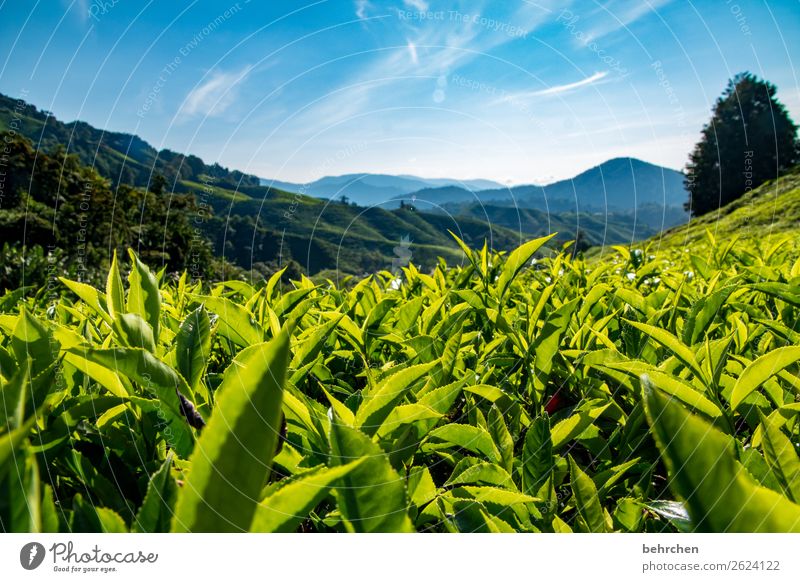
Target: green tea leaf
pixel 781 457
pixel 104 376
pixel 502 438
pixel 472 438
pixel 518 258
pixel 135 331
pixel 372 496
pixel 537 455
pixel 574 425
pixel 31 339
pixel 421 488
pixel 494 495
pixel 90 296
pixel 115 293
pixel 140 366
pixel 11 442
pixel 50 515
pixel 158 507
pixel 548 341
pixel 404 415
pixel 193 346
pixel 761 370
pixel 720 494
pixel 232 458
pixel 472 517
pixel 284 510
pixel 480 473
pixel 20 507
pixel 674 512
pixel 586 500
pixel 235 322
pixel 144 298
pixel 674 386
pixel 87 517
pixel 312 345
pixel 703 313
pixel 14 397
pixel 674 345
pixel 378 403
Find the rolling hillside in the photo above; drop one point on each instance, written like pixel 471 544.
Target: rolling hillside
pixel 323 235
pixel 595 229
pixel 121 157
pixel 252 227
pixel 769 211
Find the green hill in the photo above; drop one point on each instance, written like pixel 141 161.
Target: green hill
pixel 121 157
pixel 771 210
pixel 597 229
pixel 323 235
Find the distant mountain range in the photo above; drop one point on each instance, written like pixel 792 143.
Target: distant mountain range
pixel 376 189
pixel 619 191
pixel 622 189
pixel 618 185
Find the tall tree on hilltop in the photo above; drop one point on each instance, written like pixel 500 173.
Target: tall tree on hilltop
pixel 749 140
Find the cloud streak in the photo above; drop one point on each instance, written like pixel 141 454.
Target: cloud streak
pixel 559 89
pixel 361 9
pixel 551 91
pixel 616 15
pixel 420 5
pixel 215 95
pixel 412 52
pixel 444 47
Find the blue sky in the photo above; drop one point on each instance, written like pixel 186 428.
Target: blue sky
pixel 514 91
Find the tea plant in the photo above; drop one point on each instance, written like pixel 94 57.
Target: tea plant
pixel 533 392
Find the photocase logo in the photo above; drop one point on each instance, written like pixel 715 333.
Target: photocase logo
pixel 31 555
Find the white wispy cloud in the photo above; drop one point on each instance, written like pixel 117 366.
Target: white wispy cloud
pixel 361 8
pixel 412 52
pixel 447 46
pixel 212 97
pixel 420 5
pixel 522 96
pixel 620 14
pixel 558 89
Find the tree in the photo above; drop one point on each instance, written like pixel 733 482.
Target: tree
pixel 749 140
pixel 158 184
